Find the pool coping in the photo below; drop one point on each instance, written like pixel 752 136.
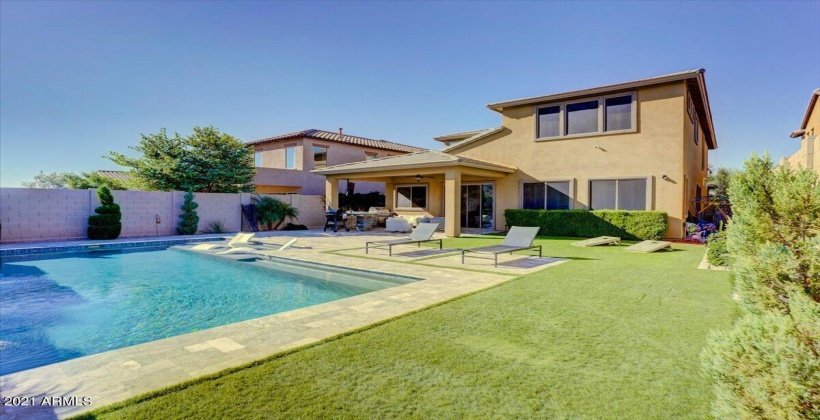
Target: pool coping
pixel 117 375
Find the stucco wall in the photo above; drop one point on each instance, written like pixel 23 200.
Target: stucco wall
pixel 29 214
pixel 808 155
pixel 659 146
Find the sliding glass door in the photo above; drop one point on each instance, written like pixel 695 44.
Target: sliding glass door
pixel 477 206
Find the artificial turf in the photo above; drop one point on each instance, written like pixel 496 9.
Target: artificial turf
pixel 609 334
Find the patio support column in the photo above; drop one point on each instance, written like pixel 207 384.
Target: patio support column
pixel 331 192
pixel 452 202
pixel 388 195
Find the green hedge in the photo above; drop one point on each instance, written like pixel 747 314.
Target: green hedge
pixel 630 225
pixel 717 253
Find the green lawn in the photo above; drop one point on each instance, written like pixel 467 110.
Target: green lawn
pixel 610 334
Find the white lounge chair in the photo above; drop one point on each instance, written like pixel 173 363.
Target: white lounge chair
pixel 600 240
pixel 518 239
pixel 422 233
pixel 238 240
pixel 263 247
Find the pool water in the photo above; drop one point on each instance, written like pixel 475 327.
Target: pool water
pixel 59 307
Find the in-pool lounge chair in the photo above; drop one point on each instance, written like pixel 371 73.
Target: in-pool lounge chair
pixel 422 233
pixel 600 240
pixel 240 239
pixel 259 248
pixel 518 239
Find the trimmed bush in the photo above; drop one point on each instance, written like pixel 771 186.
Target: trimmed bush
pixel 717 253
pixel 630 225
pixel 106 224
pixel 189 220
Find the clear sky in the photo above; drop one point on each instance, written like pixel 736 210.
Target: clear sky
pixel 78 79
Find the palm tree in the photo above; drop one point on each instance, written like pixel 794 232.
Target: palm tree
pixel 267 210
pixel 286 211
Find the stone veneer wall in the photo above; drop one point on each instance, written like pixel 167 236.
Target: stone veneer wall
pixel 31 214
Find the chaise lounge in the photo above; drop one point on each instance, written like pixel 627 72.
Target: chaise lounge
pixel 518 239
pixel 422 233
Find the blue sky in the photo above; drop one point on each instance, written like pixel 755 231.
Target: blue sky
pixel 78 79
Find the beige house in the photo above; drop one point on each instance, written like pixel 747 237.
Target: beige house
pixel 809 154
pixel 284 162
pixel 640 145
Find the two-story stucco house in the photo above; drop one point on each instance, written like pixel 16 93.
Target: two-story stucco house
pixel 639 145
pixel 284 162
pixel 808 156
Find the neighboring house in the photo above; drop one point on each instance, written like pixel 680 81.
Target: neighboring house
pixel 640 145
pixel 809 154
pixel 121 176
pixel 284 162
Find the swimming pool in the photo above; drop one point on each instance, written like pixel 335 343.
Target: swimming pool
pixel 61 306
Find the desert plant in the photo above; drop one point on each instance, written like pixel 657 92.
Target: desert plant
pixel 214 226
pixel 189 219
pixel 106 224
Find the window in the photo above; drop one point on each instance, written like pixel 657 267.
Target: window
pixel 534 196
pixel 582 117
pixel 411 196
pixel 549 120
pixel 290 157
pixel 703 157
pixel 618 194
pixel 546 195
pixel 593 116
pixel 618 113
pixel 696 129
pixel 370 155
pixel 319 156
pixel 257 159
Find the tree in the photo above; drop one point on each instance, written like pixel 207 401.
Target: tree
pixel 205 161
pixel 106 223
pixel 768 364
pixel 48 180
pixel 189 219
pixel 721 179
pixel 285 211
pixel 270 210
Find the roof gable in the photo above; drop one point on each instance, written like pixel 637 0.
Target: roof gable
pixel 337 138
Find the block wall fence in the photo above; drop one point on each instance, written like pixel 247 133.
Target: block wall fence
pixel 32 214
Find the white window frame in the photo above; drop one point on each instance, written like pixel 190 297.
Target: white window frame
pixel 562 117
pixel 289 147
pixel 650 191
pixel 545 182
pixel 426 197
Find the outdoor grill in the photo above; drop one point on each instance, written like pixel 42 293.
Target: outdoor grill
pixel 383 212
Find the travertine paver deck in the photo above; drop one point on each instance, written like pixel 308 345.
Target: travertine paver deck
pixel 116 375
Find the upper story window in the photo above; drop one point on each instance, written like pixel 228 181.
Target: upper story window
pixel 693 118
pixel 411 196
pixel 290 157
pixel 319 156
pixel 592 116
pixel 257 159
pixel 370 155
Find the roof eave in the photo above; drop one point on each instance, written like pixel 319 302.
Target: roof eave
pixel 340 171
pixel 474 139
pixel 810 108
pixel 499 106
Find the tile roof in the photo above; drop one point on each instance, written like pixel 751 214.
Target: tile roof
pixel 346 139
pixel 497 106
pixel 118 175
pixel 425 158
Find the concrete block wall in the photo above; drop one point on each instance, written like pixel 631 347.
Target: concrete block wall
pixel 30 214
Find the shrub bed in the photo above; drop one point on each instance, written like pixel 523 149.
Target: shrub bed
pixel 717 254
pixel 630 225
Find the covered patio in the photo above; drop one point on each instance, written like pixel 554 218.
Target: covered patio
pixel 429 184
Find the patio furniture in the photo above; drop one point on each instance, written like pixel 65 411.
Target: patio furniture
pixel 649 246
pixel 600 240
pixel 260 248
pixel 518 239
pixel 240 239
pixel 332 219
pixel 422 233
pixel 397 224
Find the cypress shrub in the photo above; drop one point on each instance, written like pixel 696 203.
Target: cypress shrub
pixel 630 225
pixel 717 253
pixel 106 224
pixel 768 364
pixel 189 219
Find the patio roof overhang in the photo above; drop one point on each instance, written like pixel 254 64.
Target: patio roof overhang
pixel 426 162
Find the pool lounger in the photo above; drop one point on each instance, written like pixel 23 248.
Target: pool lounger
pixel 422 233
pixel 650 246
pixel 262 250
pixel 601 240
pixel 517 239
